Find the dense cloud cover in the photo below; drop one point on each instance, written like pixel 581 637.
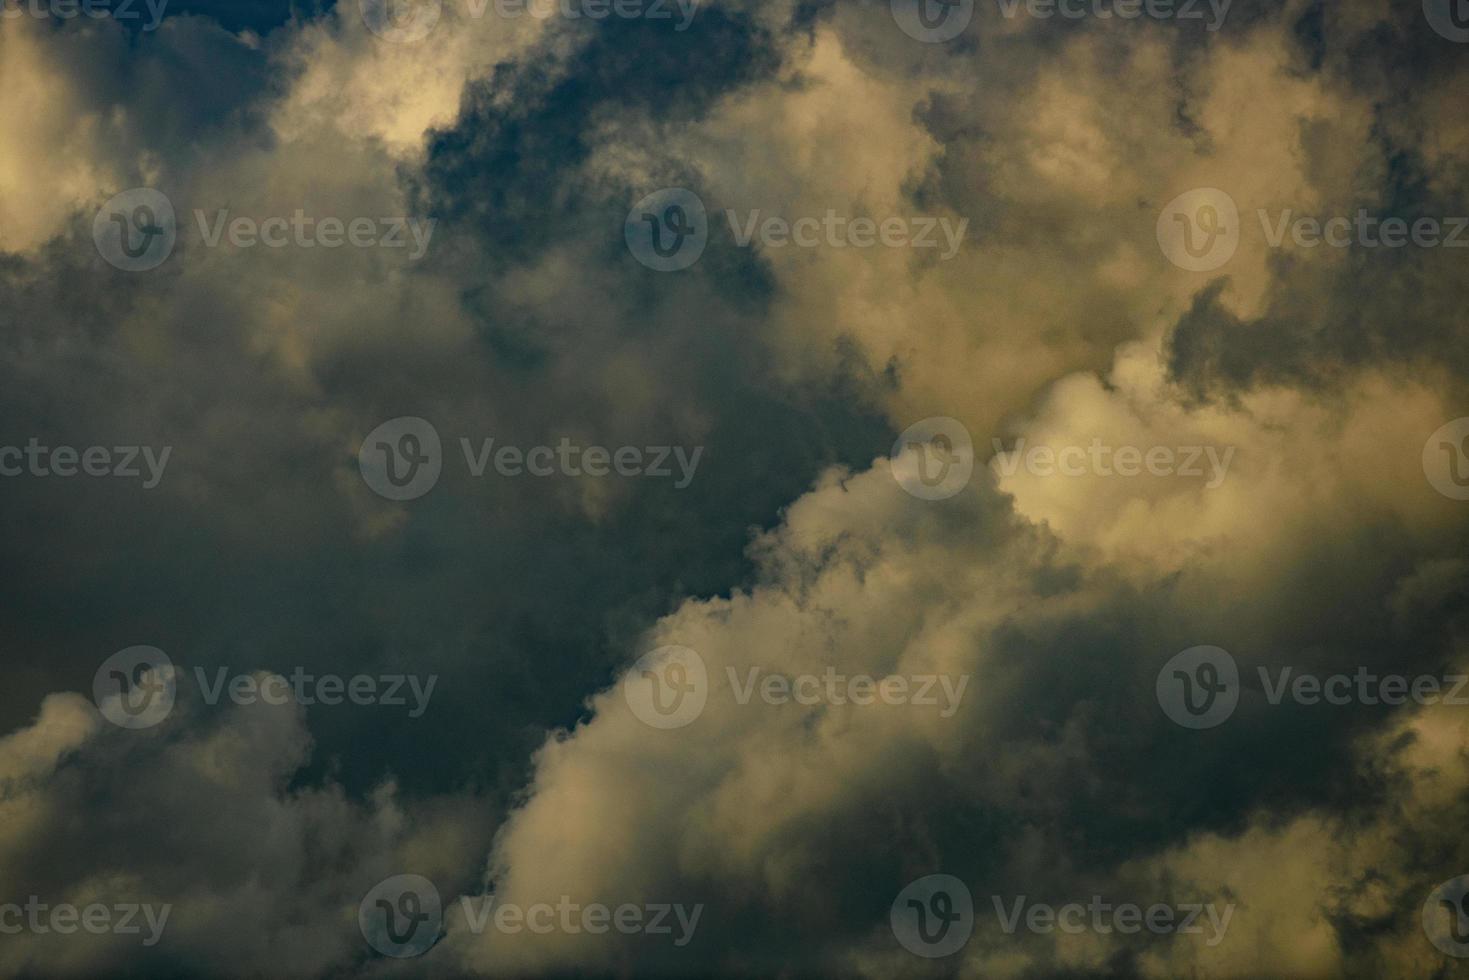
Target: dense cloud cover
pixel 1294 499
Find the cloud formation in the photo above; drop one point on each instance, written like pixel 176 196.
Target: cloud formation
pixel 1038 604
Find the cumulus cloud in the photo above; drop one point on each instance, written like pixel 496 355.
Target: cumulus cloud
pixel 207 818
pixel 1290 391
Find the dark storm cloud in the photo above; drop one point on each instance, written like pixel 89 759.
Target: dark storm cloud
pixel 528 321
pixel 246 555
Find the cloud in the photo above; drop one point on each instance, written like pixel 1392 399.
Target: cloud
pixel 1314 542
pixel 205 816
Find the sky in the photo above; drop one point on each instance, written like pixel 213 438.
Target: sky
pixel 734 488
